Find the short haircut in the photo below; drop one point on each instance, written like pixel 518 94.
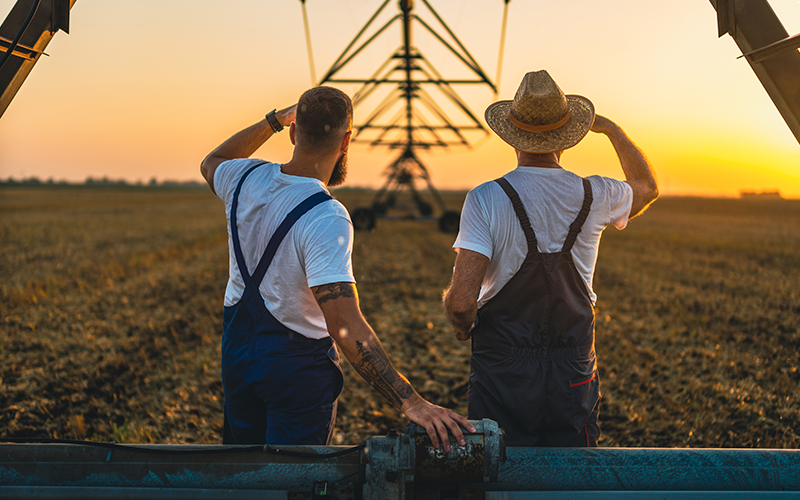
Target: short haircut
pixel 323 116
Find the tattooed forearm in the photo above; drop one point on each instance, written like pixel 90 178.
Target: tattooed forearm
pixel 362 347
pixel 324 293
pixel 375 367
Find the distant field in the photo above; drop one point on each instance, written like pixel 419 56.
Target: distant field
pixel 110 319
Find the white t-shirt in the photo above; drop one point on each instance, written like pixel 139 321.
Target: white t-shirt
pixel 316 251
pixel 552 199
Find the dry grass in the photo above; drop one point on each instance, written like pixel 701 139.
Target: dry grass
pixel 111 316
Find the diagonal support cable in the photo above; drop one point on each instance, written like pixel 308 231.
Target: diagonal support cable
pixel 502 49
pixel 308 44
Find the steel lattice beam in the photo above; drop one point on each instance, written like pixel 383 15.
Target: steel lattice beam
pixel 770 51
pixel 49 16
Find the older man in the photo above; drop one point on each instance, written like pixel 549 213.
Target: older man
pixel 522 283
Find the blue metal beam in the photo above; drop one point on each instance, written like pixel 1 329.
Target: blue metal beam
pixel 643 495
pixel 654 469
pixel 390 465
pixel 100 493
pixel 88 466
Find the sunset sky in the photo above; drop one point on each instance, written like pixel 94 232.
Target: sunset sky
pixel 146 88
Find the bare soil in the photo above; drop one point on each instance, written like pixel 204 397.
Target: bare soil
pixel 110 319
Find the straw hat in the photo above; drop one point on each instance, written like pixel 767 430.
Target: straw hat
pixel 541 119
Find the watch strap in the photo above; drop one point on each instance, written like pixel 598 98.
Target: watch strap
pixel 273 122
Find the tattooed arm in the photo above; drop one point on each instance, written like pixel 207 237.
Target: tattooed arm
pixel 358 342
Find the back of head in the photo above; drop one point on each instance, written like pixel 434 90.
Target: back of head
pixel 324 115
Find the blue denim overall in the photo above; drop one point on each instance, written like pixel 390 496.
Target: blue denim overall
pixel 280 386
pixel 533 367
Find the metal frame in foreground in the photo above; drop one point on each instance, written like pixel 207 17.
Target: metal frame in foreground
pixel 394 467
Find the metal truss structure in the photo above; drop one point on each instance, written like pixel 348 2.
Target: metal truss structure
pixel 409 118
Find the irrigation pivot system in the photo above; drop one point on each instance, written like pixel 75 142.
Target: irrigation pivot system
pixel 403 466
pixel 409 118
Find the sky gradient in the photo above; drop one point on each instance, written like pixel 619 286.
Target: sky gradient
pixel 147 88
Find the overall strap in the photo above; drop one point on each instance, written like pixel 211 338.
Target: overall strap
pixel 237 247
pixel 280 233
pixel 576 226
pixel 519 209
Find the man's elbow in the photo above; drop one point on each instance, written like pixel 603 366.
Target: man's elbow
pixel 645 192
pixel 207 171
pixel 653 191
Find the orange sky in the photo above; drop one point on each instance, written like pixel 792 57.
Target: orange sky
pixel 145 89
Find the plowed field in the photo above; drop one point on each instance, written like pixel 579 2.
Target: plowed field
pixel 110 319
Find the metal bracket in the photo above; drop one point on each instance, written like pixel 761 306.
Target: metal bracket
pixel 343 489
pixel 408 467
pixel 790 43
pixel 20 50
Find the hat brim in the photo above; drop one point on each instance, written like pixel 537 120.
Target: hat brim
pixel 564 137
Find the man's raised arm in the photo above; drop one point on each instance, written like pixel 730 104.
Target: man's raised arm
pixel 357 340
pixel 638 172
pixel 243 143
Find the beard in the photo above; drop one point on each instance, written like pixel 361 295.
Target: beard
pixel 339 171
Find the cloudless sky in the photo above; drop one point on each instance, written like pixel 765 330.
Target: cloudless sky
pixel 146 88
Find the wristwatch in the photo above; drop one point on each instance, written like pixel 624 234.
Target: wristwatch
pixel 273 121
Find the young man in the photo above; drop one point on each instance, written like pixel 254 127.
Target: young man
pixel 291 291
pixel 522 283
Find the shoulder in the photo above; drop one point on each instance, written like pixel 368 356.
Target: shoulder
pixel 485 195
pixel 230 172
pixel 325 244
pixel 327 220
pixel 330 209
pixel 336 209
pixel 614 198
pixel 487 189
pixel 609 188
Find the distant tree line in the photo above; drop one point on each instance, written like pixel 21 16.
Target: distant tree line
pixel 763 195
pixel 100 182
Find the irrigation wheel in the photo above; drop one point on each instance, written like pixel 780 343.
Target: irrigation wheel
pixel 363 219
pixel 448 222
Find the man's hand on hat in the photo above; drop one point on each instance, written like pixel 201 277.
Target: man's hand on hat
pixel 603 125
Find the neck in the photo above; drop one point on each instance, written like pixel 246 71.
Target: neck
pixel 315 166
pixel 539 160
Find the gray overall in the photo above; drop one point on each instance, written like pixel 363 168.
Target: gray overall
pixel 533 367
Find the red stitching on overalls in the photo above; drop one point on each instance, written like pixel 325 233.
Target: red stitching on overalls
pixel 585 381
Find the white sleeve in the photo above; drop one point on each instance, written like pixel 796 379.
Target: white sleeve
pixel 327 247
pixel 474 232
pixel 227 175
pixel 617 200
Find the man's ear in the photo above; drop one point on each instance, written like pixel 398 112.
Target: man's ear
pixel 292 132
pixel 346 141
